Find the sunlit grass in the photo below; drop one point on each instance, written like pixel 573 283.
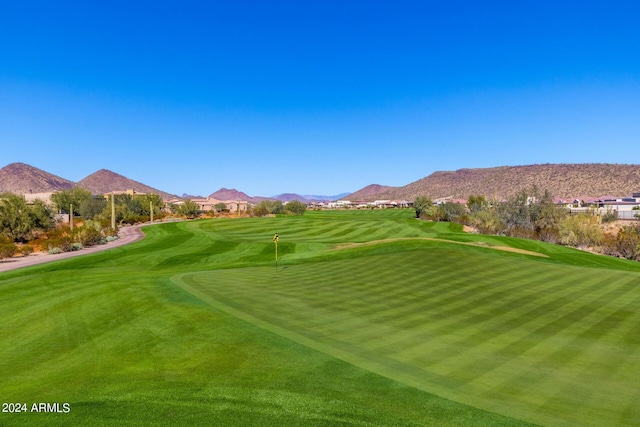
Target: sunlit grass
pixel 193 325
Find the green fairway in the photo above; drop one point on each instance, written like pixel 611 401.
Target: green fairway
pixel 373 318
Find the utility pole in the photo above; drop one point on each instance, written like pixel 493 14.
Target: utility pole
pixel 71 216
pixel 113 211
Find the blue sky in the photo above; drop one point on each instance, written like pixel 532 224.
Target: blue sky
pixel 315 97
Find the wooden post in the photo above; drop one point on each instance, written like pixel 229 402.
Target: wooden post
pixel 113 211
pixel 71 216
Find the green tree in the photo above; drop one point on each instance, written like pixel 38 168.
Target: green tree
pixel 41 217
pixel 516 215
pixel 296 207
pixel 268 207
pixel 477 203
pixel 76 196
pixel 14 217
pixel 423 206
pixel 19 221
pixel 189 209
pixel 152 202
pixel 450 211
pixel 219 207
pixel 262 209
pixel 548 219
pixel 92 207
pixel 131 209
pixel 277 207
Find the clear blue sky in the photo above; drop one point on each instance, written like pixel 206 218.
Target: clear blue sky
pixel 317 96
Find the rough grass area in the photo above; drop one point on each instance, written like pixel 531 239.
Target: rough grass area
pixel 194 326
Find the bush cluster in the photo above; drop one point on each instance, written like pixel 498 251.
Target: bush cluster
pixel 7 248
pixel 276 207
pixel 532 215
pixel 65 239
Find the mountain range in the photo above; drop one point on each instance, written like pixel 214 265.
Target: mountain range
pixel 20 178
pixel 561 180
pixel 105 181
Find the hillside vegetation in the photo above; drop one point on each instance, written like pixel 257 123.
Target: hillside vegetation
pixel 561 180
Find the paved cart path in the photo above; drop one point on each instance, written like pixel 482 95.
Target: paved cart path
pixel 126 235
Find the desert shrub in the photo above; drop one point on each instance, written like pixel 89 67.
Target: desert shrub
pixel 7 248
pixel 521 232
pixel 296 207
pixel 608 245
pixel 486 222
pixel 26 250
pixel 77 246
pixel 54 251
pixel 580 230
pixel 89 234
pixel 60 238
pixel 20 221
pixel 111 231
pixel 424 207
pixel 609 216
pixel 628 242
pixel 451 212
pixel 268 207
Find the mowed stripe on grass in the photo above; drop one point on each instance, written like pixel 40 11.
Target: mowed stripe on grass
pixel 534 340
pixel 112 335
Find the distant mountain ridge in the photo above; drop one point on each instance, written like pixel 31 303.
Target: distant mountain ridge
pixel 105 181
pixel 229 194
pixel 20 178
pixel 287 197
pixel 370 192
pixel 561 180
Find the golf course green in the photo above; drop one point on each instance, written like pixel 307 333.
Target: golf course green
pixel 369 318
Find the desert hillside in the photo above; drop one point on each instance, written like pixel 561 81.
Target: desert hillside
pixel 561 180
pixel 370 192
pixel 20 178
pixel 105 181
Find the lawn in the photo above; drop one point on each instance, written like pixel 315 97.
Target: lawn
pixel 372 318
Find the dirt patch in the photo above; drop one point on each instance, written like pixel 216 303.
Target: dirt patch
pixel 468 229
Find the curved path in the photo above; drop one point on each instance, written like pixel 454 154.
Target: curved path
pixel 125 235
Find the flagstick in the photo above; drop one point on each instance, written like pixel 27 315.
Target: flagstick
pixel 275 240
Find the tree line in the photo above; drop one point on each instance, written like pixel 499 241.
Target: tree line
pixel 533 215
pixel 23 225
pixel 27 224
pixel 276 207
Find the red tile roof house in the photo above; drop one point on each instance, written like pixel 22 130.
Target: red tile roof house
pixel 206 204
